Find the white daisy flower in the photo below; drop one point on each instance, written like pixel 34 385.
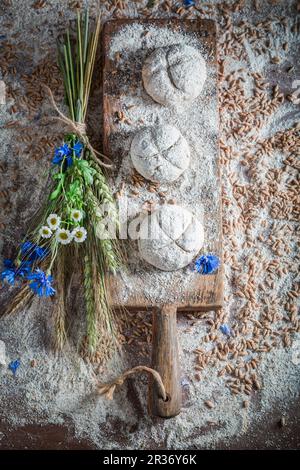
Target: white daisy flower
pixel 79 234
pixel 63 236
pixel 53 221
pixel 76 215
pixel 45 232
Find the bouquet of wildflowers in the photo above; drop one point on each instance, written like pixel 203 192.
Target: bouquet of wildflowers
pixel 71 227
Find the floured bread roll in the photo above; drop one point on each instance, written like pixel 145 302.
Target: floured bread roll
pixel 160 153
pixel 170 238
pixel 174 74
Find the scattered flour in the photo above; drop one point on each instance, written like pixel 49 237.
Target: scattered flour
pixel 3 359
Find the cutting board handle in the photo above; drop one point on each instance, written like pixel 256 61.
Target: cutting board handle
pixel 165 359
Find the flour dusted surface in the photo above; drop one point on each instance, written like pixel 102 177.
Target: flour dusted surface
pixel 198 187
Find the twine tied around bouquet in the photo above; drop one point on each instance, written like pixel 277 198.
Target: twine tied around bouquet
pixel 109 388
pixel 79 128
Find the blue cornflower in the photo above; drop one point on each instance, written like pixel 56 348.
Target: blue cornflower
pixel 225 330
pixel 12 272
pixel 61 153
pixel 188 3
pixel 14 366
pixel 207 264
pixel 41 284
pixel 78 146
pixel 33 251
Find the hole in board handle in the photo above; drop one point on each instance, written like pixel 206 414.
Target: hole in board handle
pixel 167 399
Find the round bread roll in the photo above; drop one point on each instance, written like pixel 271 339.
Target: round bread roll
pixel 160 153
pixel 174 74
pixel 170 237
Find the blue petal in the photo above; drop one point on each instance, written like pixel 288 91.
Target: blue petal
pixel 69 160
pixel 41 252
pixel 207 264
pixel 214 262
pixel 41 284
pixel 12 272
pixel 49 291
pixel 9 276
pixel 26 247
pixel 40 291
pixel 8 263
pixel 24 268
pixel 14 365
pixel 64 150
pixel 225 330
pixel 59 154
pixel 33 251
pixel 34 287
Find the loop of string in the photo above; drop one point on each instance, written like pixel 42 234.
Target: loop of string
pixel 79 128
pixel 109 388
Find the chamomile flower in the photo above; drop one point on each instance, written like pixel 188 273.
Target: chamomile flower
pixel 79 234
pixel 76 215
pixel 53 221
pixel 63 236
pixel 45 232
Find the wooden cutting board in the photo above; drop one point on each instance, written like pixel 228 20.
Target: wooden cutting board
pixel 204 292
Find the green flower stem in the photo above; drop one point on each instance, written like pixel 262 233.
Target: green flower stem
pixel 54 253
pixel 80 60
pixel 85 35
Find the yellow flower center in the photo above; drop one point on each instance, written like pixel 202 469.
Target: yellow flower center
pixel 63 236
pixel 53 221
pixel 45 231
pixel 79 234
